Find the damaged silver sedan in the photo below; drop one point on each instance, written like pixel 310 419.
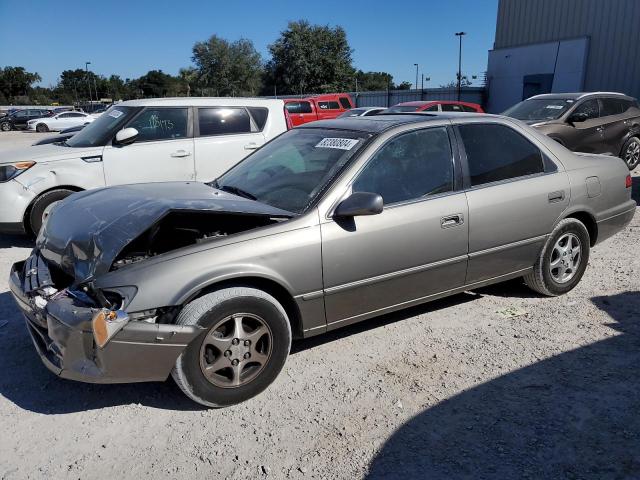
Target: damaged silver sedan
pixel 329 224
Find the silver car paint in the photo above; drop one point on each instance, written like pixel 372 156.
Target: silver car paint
pixel 378 267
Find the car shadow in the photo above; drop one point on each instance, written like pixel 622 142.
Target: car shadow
pixel 574 415
pixel 8 241
pixel 635 189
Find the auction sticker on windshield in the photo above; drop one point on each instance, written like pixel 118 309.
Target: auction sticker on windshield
pixel 339 143
pixel 115 113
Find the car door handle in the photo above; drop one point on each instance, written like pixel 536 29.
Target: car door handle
pixel 452 220
pixel 556 196
pixel 600 129
pixel 251 146
pixel 180 154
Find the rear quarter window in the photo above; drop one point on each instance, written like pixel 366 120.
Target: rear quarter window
pixel 328 106
pixel 260 116
pixel 346 104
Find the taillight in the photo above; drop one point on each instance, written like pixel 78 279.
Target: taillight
pixel 288 119
pixel 628 182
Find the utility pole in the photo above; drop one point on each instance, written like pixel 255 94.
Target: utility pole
pixel 86 69
pixel 416 84
pixel 422 88
pixel 460 35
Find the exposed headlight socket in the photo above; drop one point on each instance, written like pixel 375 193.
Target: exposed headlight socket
pixel 106 323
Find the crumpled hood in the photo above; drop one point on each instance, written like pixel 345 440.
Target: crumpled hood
pixel 86 232
pixel 46 153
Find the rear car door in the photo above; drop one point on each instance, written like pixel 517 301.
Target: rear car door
pixel 328 109
pixel 617 113
pixel 415 248
pixel 223 137
pixel 516 193
pixel 163 151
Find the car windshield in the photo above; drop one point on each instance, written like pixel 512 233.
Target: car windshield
pixel 100 131
pixel 290 172
pixel 402 108
pixel 539 109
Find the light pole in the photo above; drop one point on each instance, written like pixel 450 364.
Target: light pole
pixel 459 35
pixel 416 65
pixel 86 69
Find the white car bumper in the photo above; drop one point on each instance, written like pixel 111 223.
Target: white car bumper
pixel 14 200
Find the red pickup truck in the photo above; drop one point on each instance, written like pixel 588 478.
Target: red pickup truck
pixel 318 107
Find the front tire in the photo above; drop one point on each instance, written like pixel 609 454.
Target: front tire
pixel 42 128
pixel 245 345
pixel 5 126
pixel 42 206
pixel 563 259
pixel 631 152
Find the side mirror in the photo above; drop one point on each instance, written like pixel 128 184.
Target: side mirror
pixel 578 117
pixel 127 136
pixel 358 204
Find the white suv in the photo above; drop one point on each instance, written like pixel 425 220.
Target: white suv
pixel 155 140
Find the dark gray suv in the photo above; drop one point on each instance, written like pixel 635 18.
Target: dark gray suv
pixel 599 122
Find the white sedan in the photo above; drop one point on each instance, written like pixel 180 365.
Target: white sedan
pixel 60 121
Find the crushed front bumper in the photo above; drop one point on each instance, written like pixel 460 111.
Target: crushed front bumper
pixel 61 330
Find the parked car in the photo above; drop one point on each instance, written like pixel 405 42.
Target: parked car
pixel 435 106
pixel 597 122
pixel 362 112
pixel 19 119
pixel 319 107
pixel 59 121
pixel 152 140
pixel 323 227
pixel 62 136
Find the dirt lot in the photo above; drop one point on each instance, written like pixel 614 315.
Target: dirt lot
pixel 447 390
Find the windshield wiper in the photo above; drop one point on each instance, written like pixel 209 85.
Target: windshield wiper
pixel 238 191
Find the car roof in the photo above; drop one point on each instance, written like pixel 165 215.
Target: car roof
pixel 578 95
pixel 383 121
pixel 204 102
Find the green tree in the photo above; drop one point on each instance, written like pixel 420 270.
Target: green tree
pixel 156 83
pixel 370 81
pixel 227 68
pixel 310 59
pixel 464 82
pixel 404 86
pixel 16 81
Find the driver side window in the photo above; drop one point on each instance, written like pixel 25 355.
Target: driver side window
pixel 588 107
pixel 410 166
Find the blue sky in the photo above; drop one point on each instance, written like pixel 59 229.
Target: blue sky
pixel 129 38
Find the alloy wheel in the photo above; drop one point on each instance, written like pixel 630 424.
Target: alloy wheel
pixel 632 155
pixel 5 127
pixel 565 258
pixel 236 350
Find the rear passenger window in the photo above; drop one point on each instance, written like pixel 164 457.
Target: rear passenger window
pixel 410 166
pixel 223 121
pixel 611 106
pixel 495 152
pixel 160 124
pixel 344 101
pixel 450 107
pixel 328 105
pixel 260 116
pixel 467 108
pixel 432 108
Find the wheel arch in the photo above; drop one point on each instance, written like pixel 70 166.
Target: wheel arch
pixel 27 212
pixel 268 285
pixel 588 220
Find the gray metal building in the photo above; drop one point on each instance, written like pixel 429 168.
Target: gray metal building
pixel 544 46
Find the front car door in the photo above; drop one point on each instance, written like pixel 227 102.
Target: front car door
pixel 20 119
pixel 516 193
pixel 413 250
pixel 163 151
pixel 223 137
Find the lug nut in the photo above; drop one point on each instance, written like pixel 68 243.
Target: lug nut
pixel 247 343
pixel 235 362
pixel 247 355
pixel 235 341
pixel 227 353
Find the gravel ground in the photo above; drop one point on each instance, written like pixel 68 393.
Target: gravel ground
pixel 447 390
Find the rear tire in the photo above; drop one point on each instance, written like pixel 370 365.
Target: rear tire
pixel 631 153
pixel 42 128
pixel 237 370
pixel 558 268
pixel 41 207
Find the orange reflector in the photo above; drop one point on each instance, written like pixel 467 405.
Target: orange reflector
pixel 24 165
pixel 106 323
